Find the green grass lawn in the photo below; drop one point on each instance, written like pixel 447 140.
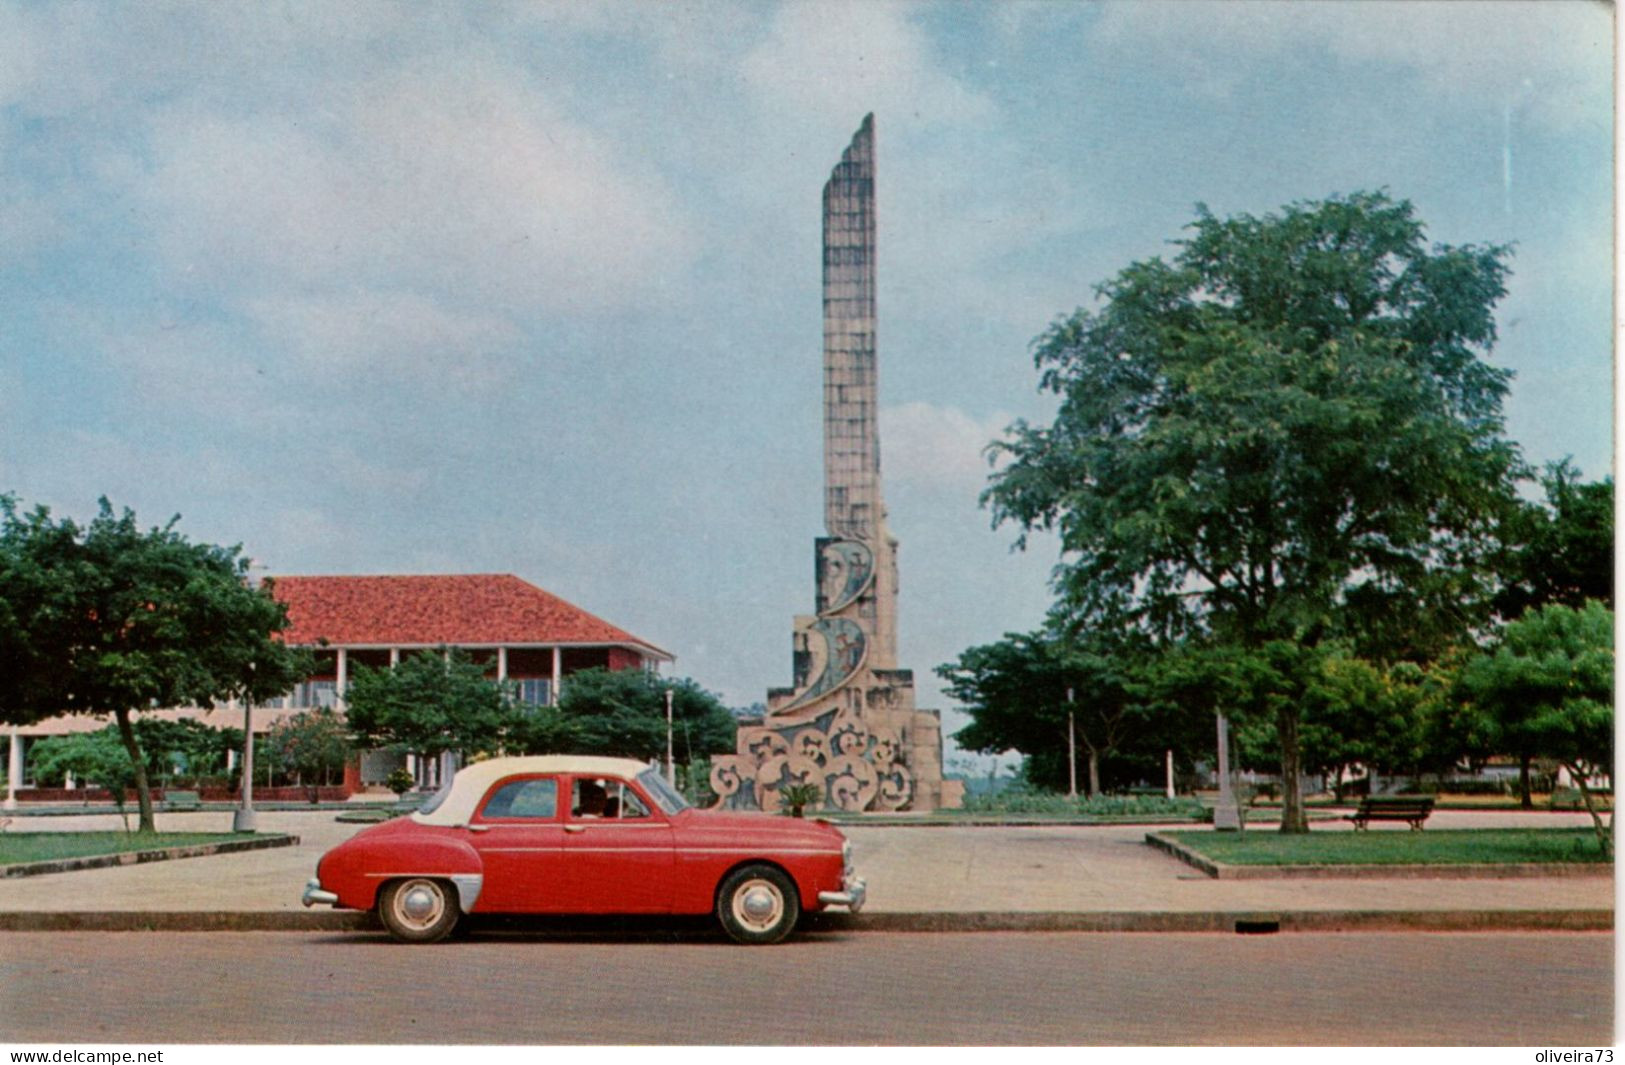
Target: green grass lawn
pixel 1383 847
pixel 16 847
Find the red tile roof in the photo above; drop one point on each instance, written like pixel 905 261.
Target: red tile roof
pixel 479 610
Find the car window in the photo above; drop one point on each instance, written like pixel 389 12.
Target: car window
pixel 631 804
pixel 536 797
pixel 606 798
pixel 588 797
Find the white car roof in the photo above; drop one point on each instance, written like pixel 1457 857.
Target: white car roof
pixel 471 783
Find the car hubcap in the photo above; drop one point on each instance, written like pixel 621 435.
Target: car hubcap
pixel 758 905
pixel 420 904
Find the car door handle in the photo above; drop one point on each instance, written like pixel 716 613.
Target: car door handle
pixel 479 828
pixel 575 828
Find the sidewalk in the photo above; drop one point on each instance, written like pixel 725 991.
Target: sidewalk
pixel 920 878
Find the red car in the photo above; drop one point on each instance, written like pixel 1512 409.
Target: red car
pixel 577 835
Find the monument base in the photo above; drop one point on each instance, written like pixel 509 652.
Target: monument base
pixel 882 760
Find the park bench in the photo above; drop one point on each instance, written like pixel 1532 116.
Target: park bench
pixel 182 800
pixel 1414 809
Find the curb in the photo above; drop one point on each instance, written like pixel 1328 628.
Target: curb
pixel 1017 822
pixel 1239 921
pixel 1227 921
pixel 157 854
pixel 186 921
pixel 1456 871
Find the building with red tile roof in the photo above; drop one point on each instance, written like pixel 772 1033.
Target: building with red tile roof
pixel 484 609
pixel 518 631
pixel 522 634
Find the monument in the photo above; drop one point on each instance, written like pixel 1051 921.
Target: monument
pixel 848 725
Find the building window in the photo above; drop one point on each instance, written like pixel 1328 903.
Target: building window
pixel 534 691
pixel 311 693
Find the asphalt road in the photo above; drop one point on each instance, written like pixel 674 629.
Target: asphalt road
pixel 870 988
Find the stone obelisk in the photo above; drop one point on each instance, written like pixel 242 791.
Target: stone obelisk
pixel 853 507
pixel 848 726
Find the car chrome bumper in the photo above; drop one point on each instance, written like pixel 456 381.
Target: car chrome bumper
pixel 855 890
pixel 314 894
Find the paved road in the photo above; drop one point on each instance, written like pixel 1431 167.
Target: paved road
pixel 1475 989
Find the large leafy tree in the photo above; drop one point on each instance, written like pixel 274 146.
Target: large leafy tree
pixel 430 703
pixel 1356 712
pixel 1547 686
pixel 1016 692
pixel 1287 434
pixel 623 713
pixel 111 618
pixel 1562 550
pixel 1559 550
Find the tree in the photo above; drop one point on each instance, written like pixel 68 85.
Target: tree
pixel 1016 694
pixel 92 757
pixel 1547 686
pixel 1356 712
pixel 185 747
pixel 430 703
pixel 623 713
pixel 1563 551
pixel 1286 434
pixel 1344 708
pixel 109 618
pixel 313 744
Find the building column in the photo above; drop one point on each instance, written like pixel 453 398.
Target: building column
pixel 558 676
pixel 394 657
pixel 14 767
pixel 502 663
pixel 342 677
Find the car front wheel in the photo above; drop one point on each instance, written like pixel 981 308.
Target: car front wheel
pixel 758 904
pixel 418 910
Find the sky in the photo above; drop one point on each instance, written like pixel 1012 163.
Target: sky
pixel 534 288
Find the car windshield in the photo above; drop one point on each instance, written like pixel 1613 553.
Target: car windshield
pixel 664 795
pixel 432 803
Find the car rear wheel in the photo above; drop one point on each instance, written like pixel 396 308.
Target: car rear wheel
pixel 758 904
pixel 418 910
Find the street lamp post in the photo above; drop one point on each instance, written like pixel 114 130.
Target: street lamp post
pixel 671 771
pixel 244 820
pixel 14 768
pixel 1071 747
pixel 1225 817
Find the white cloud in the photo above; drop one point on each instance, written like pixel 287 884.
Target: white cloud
pixel 1543 56
pixel 838 60
pixel 390 332
pixel 155 479
pixel 20 53
pixel 169 361
pixel 472 184
pixel 935 446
